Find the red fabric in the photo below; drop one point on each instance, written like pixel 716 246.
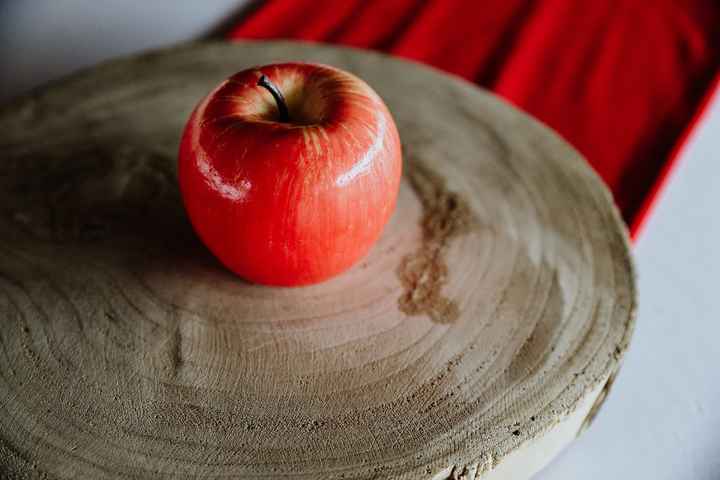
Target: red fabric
pixel 619 79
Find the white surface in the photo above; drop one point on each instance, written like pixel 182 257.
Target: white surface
pixel 662 419
pixel 43 39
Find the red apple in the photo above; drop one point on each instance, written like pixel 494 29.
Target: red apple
pixel 289 172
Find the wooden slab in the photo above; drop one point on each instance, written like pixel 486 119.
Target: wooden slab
pixel 474 341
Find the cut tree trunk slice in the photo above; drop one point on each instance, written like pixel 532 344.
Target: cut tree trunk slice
pixel 474 341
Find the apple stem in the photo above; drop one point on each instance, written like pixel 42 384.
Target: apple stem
pixel 265 82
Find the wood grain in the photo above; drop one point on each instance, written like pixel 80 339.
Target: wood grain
pixel 472 342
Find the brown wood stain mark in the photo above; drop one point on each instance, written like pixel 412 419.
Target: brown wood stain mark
pixel 424 272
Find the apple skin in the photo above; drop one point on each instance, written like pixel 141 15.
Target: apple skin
pixel 290 202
